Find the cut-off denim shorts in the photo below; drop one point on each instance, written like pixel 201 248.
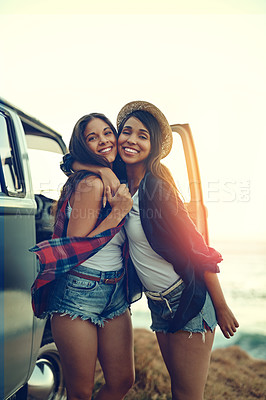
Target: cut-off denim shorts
pixel 163 306
pixel 88 299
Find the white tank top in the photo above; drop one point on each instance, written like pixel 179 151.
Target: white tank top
pixel 155 273
pixel 109 258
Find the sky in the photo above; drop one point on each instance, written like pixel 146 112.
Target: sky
pixel 201 63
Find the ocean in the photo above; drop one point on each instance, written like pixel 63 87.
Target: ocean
pixel 243 279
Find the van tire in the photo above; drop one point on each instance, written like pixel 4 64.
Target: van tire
pixel 49 358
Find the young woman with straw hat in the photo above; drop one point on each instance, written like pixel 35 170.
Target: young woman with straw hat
pixel 175 266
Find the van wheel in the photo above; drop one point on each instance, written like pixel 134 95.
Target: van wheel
pixel 46 381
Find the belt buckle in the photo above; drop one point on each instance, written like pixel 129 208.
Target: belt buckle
pixel 109 281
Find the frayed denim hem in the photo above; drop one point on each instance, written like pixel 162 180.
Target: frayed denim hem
pixel 202 330
pixel 99 321
pixel 206 327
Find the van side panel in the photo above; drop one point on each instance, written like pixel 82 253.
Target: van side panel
pixel 23 220
pixel 19 234
pixel 18 267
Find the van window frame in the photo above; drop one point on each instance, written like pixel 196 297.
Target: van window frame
pixel 21 190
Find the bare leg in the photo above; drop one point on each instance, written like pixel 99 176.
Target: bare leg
pixel 115 354
pixel 77 344
pixel 187 360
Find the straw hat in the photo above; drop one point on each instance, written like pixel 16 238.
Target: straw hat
pixel 167 136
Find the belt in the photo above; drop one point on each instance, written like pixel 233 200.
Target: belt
pixel 160 296
pixel 108 281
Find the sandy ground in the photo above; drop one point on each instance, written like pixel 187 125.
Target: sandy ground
pixel 233 373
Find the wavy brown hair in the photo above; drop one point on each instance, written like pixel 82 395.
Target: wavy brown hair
pixel 153 162
pixel 80 151
pixel 78 147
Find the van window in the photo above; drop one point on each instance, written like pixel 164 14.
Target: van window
pixel 47 177
pixel 10 171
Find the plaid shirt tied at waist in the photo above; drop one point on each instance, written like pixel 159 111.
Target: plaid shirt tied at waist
pixel 60 254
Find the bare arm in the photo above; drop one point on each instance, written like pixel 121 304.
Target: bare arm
pixel 225 317
pixel 86 206
pixel 106 174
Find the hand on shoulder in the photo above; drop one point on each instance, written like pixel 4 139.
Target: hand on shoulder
pixel 121 202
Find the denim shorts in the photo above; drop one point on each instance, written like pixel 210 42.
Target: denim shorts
pixel 88 299
pixel 164 304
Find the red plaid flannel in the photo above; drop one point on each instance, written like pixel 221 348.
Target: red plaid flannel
pixel 60 254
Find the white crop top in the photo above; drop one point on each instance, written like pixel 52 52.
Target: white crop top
pixel 109 258
pixel 155 273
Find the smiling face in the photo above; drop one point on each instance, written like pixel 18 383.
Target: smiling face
pixel 134 143
pixel 100 139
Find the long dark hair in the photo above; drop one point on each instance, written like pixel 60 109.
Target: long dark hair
pixel 80 151
pixel 153 162
pixel 78 147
